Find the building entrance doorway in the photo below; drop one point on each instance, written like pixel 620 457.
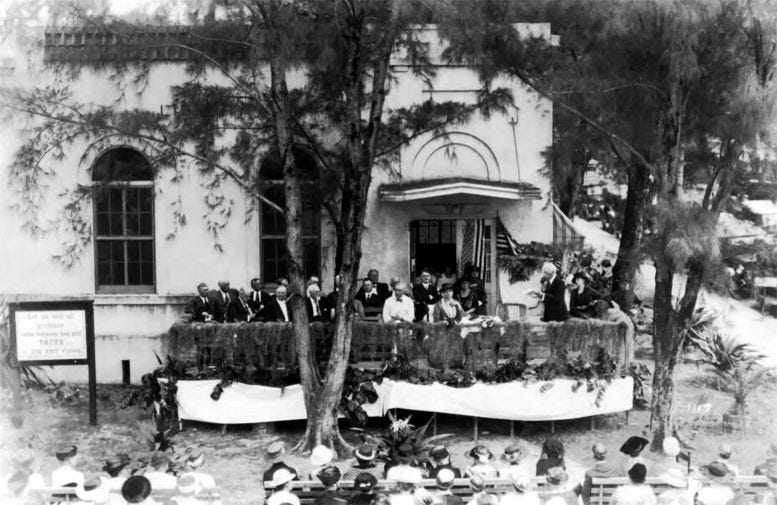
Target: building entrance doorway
pixel 432 245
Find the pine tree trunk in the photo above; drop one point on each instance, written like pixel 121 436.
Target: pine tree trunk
pixel 637 200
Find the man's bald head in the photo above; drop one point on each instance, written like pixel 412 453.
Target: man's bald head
pixel 599 450
pixel 549 270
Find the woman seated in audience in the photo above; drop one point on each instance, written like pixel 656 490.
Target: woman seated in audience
pixel 114 467
pixel 552 455
pixel 281 486
pixel 557 490
pixel 636 492
pixel 447 309
pixel 469 301
pixel 582 298
pixel 717 489
pixel 481 458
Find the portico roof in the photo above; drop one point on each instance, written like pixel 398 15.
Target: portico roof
pixel 433 188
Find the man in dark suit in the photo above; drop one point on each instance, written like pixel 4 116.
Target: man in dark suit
pixel 424 294
pixel 369 296
pixel 220 300
pixel 380 287
pixel 554 295
pixel 317 308
pixel 199 306
pixel 257 298
pixel 277 310
pixel 238 310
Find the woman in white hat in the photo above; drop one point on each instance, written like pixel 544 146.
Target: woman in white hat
pixel 97 491
pixel 321 457
pixel 281 486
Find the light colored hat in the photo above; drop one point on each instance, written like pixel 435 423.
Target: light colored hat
pixel 521 481
pixel 281 477
pixel 725 450
pixel 321 455
pixel 189 485
pixel 674 477
pixel 408 475
pixel 95 490
pixel 445 477
pixel 556 475
pixel 671 446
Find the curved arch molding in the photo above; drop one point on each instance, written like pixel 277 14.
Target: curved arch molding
pixel 486 168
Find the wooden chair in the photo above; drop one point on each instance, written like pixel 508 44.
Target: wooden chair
pixel 766 292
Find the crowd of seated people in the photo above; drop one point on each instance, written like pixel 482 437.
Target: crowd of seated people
pixel 426 300
pixel 113 486
pixel 710 484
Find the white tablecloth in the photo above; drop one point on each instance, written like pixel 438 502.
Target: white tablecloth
pixel 520 401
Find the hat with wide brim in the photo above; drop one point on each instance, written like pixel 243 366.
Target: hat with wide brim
pixel 717 471
pixel 512 452
pixel 136 489
pixel 94 490
pixel 275 449
pixel 365 452
pixel 189 485
pixel 66 451
pixel 321 455
pixel 365 482
pixel 329 475
pixel 480 451
pixel 281 477
pixel 556 475
pixel 634 444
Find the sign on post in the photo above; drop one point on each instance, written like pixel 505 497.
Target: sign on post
pixel 55 333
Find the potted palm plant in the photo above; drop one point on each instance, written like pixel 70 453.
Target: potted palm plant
pixel 741 381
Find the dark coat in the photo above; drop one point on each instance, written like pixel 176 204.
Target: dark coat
pixel 423 297
pixel 197 307
pixel 324 308
pixel 331 498
pixel 220 306
pixel 581 304
pixel 267 476
pixel 237 311
pixel 272 312
pixel 555 304
pixel 376 301
pixel 257 299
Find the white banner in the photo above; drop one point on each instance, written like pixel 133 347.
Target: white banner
pixel 520 401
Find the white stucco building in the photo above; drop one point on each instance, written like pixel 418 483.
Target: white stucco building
pixel 421 214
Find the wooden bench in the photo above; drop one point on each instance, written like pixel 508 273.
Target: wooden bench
pixel 68 495
pixel 602 489
pixel 766 292
pixel 308 491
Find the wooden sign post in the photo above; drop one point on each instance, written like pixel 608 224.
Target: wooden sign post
pixel 55 333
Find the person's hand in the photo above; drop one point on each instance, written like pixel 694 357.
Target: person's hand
pixel 533 292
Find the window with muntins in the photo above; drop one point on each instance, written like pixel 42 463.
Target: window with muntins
pixel 273 224
pixel 124 222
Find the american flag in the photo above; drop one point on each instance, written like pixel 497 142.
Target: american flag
pixel 505 243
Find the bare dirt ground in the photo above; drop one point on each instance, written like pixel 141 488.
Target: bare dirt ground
pixel 236 458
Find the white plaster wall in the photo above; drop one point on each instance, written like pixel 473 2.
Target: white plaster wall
pixel 132 326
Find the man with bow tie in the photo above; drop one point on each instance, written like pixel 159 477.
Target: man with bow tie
pixel 257 299
pixel 200 306
pixel 424 294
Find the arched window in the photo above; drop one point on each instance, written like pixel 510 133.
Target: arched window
pixel 124 222
pixel 273 224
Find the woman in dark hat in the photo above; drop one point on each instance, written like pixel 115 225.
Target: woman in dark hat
pixel 365 463
pixel 137 489
pixel 552 455
pixel 447 309
pixel 632 448
pixel 481 457
pixel 363 484
pixel 582 298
